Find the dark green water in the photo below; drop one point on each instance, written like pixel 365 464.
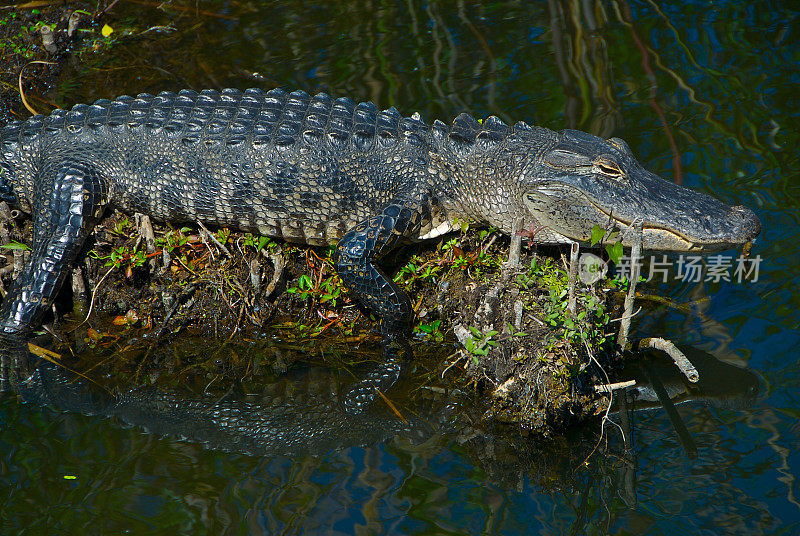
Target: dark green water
pixel 704 93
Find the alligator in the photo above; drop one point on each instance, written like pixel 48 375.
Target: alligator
pixel 319 170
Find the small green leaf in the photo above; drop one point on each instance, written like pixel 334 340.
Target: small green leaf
pixel 15 245
pixel 615 252
pixel 597 234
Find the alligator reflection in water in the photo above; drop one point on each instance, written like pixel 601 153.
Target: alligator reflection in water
pixel 296 423
pixel 720 385
pixel 659 384
pixel 315 421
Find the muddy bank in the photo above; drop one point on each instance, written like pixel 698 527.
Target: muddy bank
pixel 149 299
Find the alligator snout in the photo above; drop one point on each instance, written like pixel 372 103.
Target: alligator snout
pixel 744 222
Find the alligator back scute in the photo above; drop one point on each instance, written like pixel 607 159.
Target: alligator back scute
pixel 388 125
pixel 364 126
pixel 160 111
pixel 97 116
pixel 463 133
pixel 341 119
pixel 32 128
pixel 139 109
pixel 440 132
pixel 316 119
pixel 118 114
pixel 494 129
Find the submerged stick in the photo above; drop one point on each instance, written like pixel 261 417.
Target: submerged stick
pixel 680 359
pixel 684 437
pixel 636 255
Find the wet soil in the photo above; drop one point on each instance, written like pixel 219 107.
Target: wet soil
pixel 38 41
pixel 199 303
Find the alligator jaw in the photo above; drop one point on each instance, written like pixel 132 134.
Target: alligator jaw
pixel 569 213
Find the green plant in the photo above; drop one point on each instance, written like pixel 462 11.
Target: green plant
pixel 173 239
pixel 323 290
pixel 612 243
pixel 223 235
pixel 432 331
pixel 417 270
pixel 122 256
pixel 479 344
pixel 259 242
pixel 15 245
pixel 512 333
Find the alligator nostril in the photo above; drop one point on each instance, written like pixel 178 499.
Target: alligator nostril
pixel 746 221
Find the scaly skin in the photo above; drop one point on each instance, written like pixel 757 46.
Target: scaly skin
pixel 318 170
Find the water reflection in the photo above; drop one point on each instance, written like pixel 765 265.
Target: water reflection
pixel 311 465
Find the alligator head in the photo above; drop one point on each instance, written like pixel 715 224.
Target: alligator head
pixel 585 181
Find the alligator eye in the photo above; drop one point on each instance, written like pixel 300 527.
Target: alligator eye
pixel 609 168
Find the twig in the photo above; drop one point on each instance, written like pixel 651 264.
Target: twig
pixel 684 437
pixel 624 316
pixel 603 428
pixel 188 291
pixel 609 387
pixel 516 244
pixel 458 356
pixel 207 233
pixel 636 255
pixel 680 359
pixel 91 301
pixel 145 228
pixel 22 92
pixel 255 275
pixel 278 265
pixel 573 276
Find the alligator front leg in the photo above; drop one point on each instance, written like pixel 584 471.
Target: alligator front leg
pixel 355 258
pixel 68 196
